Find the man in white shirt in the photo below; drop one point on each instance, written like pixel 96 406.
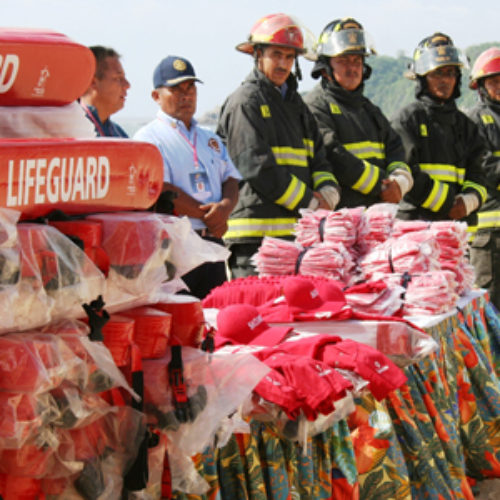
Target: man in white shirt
pixel 197 167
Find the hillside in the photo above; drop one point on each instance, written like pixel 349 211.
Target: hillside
pixel 389 89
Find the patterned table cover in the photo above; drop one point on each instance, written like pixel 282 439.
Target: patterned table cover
pixel 423 442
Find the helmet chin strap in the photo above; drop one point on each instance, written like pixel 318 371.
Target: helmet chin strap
pixel 298 72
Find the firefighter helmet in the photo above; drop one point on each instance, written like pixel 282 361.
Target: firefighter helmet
pixel 487 64
pixel 278 29
pixel 343 36
pixel 434 52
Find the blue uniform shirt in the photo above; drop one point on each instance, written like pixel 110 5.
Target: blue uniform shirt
pixel 106 129
pixel 194 160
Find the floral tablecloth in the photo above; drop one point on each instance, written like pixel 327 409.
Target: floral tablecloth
pixel 430 439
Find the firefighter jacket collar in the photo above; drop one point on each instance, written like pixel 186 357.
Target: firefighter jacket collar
pixel 443 111
pixel 352 98
pixel 256 76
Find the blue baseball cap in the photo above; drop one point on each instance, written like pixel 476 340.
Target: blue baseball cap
pixel 173 70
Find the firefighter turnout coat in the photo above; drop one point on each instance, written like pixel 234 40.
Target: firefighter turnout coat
pixel 359 141
pixel 274 142
pixel 446 154
pixel 486 115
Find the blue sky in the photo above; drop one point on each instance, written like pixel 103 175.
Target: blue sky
pixel 206 32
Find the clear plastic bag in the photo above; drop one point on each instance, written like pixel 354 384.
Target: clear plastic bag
pixel 45 121
pixel 216 385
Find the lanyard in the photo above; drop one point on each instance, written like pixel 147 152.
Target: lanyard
pixel 92 118
pixel 192 145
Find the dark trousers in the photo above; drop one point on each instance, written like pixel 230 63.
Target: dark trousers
pixel 202 279
pixel 485 257
pixel 240 259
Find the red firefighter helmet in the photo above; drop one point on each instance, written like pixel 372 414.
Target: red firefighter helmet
pixel 487 64
pixel 277 29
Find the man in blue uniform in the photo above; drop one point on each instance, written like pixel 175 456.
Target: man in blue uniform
pixel 107 92
pixel 197 167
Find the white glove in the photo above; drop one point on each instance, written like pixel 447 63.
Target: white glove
pixel 403 178
pixel 331 195
pixel 470 201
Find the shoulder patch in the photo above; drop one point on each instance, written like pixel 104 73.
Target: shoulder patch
pixel 212 143
pixel 265 111
pixel 334 109
pixel 423 130
pixel 487 119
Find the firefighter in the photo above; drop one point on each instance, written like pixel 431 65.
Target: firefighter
pixel 367 153
pixel 485 246
pixel 274 142
pixel 442 144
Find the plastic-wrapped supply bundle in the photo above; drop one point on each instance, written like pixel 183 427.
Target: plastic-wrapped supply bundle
pixel 45 121
pixel 88 235
pixel 8 227
pixel 375 225
pixel 277 257
pixel 451 237
pixel 151 330
pixel 318 226
pixel 330 260
pixel 428 293
pixel 401 227
pixel 216 385
pixel 137 246
pixel 55 266
pixel 57 428
pixel 375 297
pixel 414 252
pixel 45 277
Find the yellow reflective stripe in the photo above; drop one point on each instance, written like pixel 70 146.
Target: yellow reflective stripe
pixel 423 130
pixel 309 145
pixel 240 228
pixel 293 194
pixel 471 232
pixel 496 153
pixel 397 164
pixel 290 156
pixel 368 179
pixel 444 172
pixel 487 119
pixel 366 149
pixel 320 177
pixel 488 219
pixel 480 189
pixel 437 196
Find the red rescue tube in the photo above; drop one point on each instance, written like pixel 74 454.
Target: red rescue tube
pixel 42 68
pixel 78 176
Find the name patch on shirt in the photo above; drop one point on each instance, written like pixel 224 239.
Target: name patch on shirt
pixel 212 143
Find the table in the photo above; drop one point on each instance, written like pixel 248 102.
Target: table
pixel 423 441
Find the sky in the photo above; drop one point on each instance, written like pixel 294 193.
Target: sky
pixel 207 31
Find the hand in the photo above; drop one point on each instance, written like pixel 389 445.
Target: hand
pixel 215 217
pixel 391 192
pixel 322 202
pixel 458 210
